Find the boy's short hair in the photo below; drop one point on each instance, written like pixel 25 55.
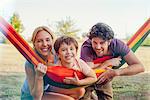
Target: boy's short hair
pixel 101 30
pixel 65 39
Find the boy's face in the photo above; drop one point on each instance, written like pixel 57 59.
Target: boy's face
pixel 43 43
pixel 67 53
pixel 100 46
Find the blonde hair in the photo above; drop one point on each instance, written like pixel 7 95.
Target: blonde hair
pixel 41 28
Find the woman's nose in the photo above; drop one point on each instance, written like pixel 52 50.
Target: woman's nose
pixel 44 43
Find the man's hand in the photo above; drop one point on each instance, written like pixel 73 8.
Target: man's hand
pixel 106 76
pixel 111 62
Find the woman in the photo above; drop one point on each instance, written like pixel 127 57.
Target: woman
pixel 34 86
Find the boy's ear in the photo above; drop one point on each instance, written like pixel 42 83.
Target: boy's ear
pixel 57 55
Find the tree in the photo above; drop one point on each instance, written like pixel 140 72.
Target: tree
pixel 16 23
pixel 66 27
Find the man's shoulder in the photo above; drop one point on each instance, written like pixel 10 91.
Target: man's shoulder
pixel 87 43
pixel 117 42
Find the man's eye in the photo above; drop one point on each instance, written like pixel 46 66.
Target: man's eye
pixel 102 42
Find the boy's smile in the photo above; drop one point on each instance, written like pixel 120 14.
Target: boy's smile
pixel 67 53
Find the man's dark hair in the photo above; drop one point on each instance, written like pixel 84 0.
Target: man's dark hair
pixel 101 30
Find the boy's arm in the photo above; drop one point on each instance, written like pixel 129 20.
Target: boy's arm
pixel 87 71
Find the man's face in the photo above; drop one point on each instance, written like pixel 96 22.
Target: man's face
pixel 100 46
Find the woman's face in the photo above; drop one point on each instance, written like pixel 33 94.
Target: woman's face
pixel 43 43
pixel 100 46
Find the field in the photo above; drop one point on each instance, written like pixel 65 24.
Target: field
pixel 125 88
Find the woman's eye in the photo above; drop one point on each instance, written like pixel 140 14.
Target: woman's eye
pixel 38 41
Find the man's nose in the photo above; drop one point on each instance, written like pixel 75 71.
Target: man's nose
pixel 98 46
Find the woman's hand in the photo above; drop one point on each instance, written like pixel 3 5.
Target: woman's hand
pixel 40 70
pixel 72 80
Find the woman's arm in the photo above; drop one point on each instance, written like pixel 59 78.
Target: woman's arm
pixel 35 80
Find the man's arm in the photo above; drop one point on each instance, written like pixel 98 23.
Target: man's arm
pixel 134 67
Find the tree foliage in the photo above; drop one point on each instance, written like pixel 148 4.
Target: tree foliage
pixel 16 23
pixel 66 27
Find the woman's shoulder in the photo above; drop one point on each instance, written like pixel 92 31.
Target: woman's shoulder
pixel 29 65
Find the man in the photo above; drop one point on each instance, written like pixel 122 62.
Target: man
pixel 100 43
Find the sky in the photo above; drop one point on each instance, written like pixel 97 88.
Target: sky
pixel 124 16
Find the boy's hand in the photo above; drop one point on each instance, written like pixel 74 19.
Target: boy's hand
pixel 72 80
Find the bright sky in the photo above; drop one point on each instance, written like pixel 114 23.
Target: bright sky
pixel 124 16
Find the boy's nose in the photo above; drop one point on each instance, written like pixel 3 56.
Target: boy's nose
pixel 68 51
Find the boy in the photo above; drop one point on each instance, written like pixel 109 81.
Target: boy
pixel 66 49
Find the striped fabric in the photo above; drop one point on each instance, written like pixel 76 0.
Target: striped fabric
pixel 56 74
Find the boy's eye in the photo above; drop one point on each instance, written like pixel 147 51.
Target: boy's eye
pixel 71 49
pixel 48 40
pixel 63 49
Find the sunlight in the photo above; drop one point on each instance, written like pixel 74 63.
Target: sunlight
pixel 7 8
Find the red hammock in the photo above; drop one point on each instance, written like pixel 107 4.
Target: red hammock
pixel 56 74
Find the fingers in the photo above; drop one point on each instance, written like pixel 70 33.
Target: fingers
pixel 72 80
pixel 41 68
pixel 76 76
pixel 67 81
pixel 106 76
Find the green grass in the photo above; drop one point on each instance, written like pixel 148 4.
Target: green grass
pixel 132 88
pixel 146 42
pixel 10 85
pixel 125 88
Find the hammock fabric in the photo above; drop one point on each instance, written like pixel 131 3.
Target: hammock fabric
pixel 56 74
